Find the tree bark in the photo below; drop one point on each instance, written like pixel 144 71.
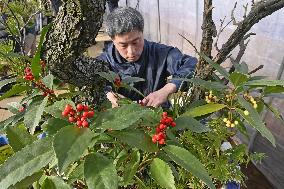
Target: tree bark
pixel 75 29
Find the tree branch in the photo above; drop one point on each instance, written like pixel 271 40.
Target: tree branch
pixel 261 10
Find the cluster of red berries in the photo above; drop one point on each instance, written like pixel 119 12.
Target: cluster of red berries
pixel 44 88
pixel 160 135
pixel 28 74
pixel 117 82
pixel 29 77
pixel 79 116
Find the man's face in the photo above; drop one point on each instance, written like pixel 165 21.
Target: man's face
pixel 129 45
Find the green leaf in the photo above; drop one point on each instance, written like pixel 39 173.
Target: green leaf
pixel 276 112
pixel 36 67
pixel 11 120
pixel 132 79
pixel 162 174
pixel 54 182
pixel 131 167
pixel 238 78
pixel 14 107
pixel 254 119
pixel 77 174
pixel 28 181
pixel 52 125
pixel 70 143
pixel 7 81
pixel 48 81
pixel 217 67
pixel 16 89
pixel 57 108
pixel 26 162
pixel 33 114
pixel 211 85
pixel 100 173
pixel 19 137
pixel 273 89
pixel 110 76
pixel 188 122
pixel 265 82
pixel 189 162
pixel 131 88
pixel 121 117
pixel 204 109
pixel 135 138
pixel 242 67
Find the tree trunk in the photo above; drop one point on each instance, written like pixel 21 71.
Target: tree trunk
pixel 75 29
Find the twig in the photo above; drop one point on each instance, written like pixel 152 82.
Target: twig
pixel 256 69
pixel 220 31
pixel 232 15
pixel 29 19
pixel 1 108
pixel 195 49
pixel 246 9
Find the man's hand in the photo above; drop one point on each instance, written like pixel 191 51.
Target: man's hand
pixel 159 97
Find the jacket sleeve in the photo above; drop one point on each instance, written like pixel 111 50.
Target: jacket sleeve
pixel 180 66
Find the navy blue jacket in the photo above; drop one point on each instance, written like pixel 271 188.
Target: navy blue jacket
pixel 156 63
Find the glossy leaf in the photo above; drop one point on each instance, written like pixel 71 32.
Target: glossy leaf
pixel 238 78
pixel 217 67
pixel 58 107
pixel 162 174
pixel 48 81
pixel 189 162
pixel 33 114
pixel 52 125
pixel 265 82
pixel 131 167
pixel 7 81
pixel 36 67
pixel 188 122
pixel 135 138
pixel 255 120
pixel 16 89
pixel 54 182
pixel 211 85
pixel 70 143
pixel 121 117
pixel 19 138
pixel 100 173
pixel 110 76
pixel 132 79
pixel 26 162
pixel 204 109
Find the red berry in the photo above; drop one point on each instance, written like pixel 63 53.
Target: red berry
pixel 162 126
pixel 83 118
pixel 162 141
pixel 158 130
pixel 91 113
pixel 86 108
pixel 165 114
pixel 71 119
pixel 65 113
pixel 161 135
pixel 68 108
pixel 28 70
pixel 85 114
pixel 79 123
pixel 173 124
pixel 85 123
pixel 21 109
pixel 154 138
pixel 80 107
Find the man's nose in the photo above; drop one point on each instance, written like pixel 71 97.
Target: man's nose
pixel 131 50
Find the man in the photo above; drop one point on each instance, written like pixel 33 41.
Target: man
pixel 131 55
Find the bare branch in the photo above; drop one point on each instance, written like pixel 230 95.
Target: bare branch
pixel 29 19
pixel 195 49
pixel 232 15
pixel 256 69
pixel 221 29
pixel 261 10
pixel 246 9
